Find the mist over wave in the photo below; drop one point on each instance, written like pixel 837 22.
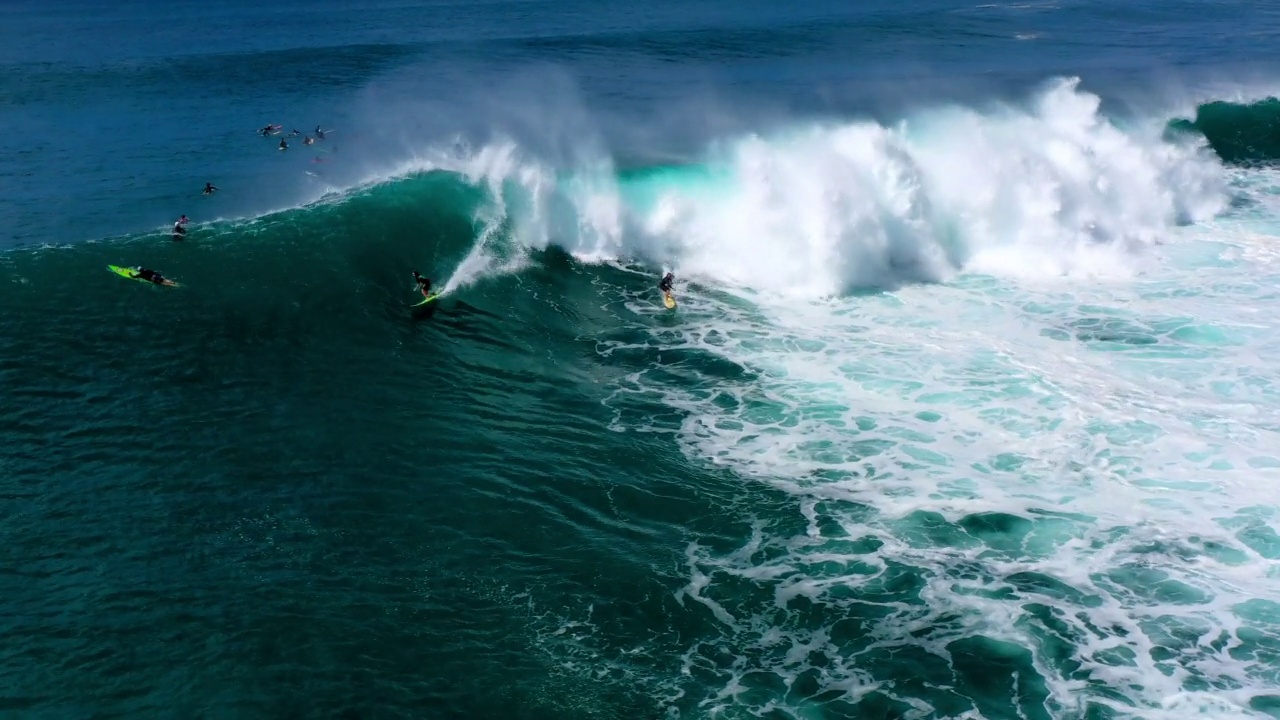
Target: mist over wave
pixel 825 208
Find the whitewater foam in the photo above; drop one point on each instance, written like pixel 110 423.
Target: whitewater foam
pixel 1077 477
pixel 1049 190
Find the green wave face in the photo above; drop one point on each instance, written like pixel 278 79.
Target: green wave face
pixel 1238 133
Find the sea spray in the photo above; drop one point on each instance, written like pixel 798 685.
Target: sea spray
pixel 1047 190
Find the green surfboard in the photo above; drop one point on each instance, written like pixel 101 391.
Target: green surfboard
pixel 129 273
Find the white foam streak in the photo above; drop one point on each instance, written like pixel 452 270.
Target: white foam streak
pixel 1128 433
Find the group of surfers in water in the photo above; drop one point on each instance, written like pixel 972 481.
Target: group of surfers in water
pixel 270 130
pixel 423 284
pixel 180 225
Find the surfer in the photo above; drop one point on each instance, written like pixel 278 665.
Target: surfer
pixel 424 284
pixel 308 140
pixel 209 189
pixel 665 286
pixel 180 228
pixel 319 133
pixel 667 281
pixel 283 145
pixel 267 130
pixel 151 276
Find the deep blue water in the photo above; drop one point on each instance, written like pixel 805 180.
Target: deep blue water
pixel 113 118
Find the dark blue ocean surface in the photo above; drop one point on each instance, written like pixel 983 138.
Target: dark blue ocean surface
pixel 967 408
pixel 114 117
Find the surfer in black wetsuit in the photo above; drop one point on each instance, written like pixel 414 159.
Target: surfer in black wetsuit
pixel 424 284
pixel 209 189
pixel 151 276
pixel 283 145
pixel 319 133
pixel 180 228
pixel 667 281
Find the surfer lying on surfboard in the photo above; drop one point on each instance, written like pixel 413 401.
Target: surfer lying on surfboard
pixel 146 274
pixel 151 276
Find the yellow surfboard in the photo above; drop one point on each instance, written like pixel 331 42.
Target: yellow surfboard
pixel 669 301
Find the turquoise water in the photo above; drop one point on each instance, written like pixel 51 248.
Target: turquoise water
pixel 969 408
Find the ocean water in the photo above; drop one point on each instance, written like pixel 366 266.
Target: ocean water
pixel 970 407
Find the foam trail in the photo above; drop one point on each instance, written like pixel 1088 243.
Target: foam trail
pixel 491 168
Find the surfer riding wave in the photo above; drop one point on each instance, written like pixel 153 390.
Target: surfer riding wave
pixel 424 284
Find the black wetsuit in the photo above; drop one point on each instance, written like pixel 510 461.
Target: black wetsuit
pixel 424 284
pixel 179 232
pixel 150 276
pixel 667 281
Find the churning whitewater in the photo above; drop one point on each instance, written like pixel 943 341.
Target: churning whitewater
pixel 826 210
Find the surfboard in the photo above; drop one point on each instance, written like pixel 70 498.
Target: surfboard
pixel 128 273
pixel 669 301
pixel 426 300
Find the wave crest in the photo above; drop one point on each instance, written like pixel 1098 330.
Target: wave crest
pixel 1048 189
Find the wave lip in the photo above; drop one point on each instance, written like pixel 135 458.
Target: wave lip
pixel 1239 133
pixel 825 209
